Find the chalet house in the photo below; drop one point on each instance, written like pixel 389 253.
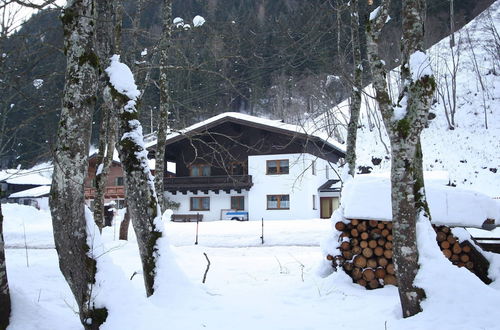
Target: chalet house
pixel 37 197
pixel 236 166
pixel 115 189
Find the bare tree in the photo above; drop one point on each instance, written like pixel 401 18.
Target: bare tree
pixel 67 200
pixel 165 101
pixel 4 284
pixel 356 89
pixel 447 84
pixel 404 121
pixel 109 30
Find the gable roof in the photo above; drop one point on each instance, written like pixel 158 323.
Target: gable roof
pixel 257 122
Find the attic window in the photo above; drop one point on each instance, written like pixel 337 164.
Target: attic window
pixel 200 170
pixel 119 181
pixel 277 166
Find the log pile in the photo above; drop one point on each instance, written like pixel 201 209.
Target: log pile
pixel 366 252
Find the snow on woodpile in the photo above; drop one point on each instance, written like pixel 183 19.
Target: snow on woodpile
pixel 361 243
pixel 368 197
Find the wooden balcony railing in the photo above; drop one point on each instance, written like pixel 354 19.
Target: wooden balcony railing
pixel 110 192
pixel 203 183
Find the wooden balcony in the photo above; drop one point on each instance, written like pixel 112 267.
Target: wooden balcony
pixel 206 183
pixel 111 192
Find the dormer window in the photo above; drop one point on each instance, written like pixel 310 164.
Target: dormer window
pixel 277 166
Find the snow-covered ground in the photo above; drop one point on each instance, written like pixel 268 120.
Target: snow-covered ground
pixel 248 286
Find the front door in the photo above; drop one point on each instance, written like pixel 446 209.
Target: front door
pixel 326 207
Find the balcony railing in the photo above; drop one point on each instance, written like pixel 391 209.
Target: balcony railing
pixel 110 192
pixel 223 182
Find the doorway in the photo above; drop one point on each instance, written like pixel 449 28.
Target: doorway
pixel 327 206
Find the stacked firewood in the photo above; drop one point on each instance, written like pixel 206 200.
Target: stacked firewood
pixel 366 251
pixel 459 254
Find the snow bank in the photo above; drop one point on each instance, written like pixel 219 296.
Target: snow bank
pixel 455 296
pixel 26 222
pixel 369 197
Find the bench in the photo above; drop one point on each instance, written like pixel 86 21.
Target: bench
pixel 187 217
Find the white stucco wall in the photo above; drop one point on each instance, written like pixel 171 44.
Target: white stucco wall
pixel 218 202
pixel 300 184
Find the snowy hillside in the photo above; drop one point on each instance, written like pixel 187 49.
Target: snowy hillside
pixel 469 152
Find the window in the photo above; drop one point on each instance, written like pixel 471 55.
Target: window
pixel 200 170
pixel 278 202
pixel 119 181
pixel 237 202
pixel 314 202
pixel 238 168
pixel 313 167
pixel 327 172
pixel 120 203
pixel 200 203
pixel 277 166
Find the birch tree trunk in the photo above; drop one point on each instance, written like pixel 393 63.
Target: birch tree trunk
pixel 356 88
pixel 404 121
pixel 4 284
pixel 67 201
pixel 142 203
pixel 165 42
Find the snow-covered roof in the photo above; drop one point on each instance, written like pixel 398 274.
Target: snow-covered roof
pixel 93 153
pixel 272 124
pixel 14 176
pixel 33 192
pixel 369 197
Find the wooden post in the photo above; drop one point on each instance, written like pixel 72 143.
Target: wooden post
pixel 262 236
pixel 197 224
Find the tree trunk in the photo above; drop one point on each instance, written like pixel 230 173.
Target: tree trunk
pixel 67 200
pixel 106 39
pixel 142 203
pixel 404 123
pixel 124 227
pixel 4 284
pixel 165 101
pixel 356 88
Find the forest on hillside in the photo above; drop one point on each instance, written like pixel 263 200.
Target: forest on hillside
pixel 270 58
